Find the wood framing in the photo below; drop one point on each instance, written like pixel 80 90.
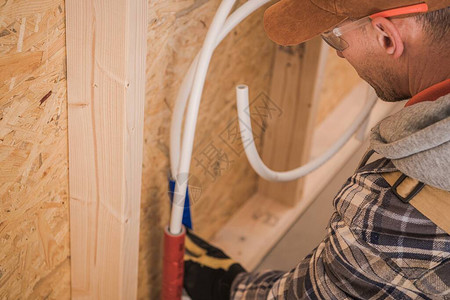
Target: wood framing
pixel 262 221
pixel 106 50
pixel 296 81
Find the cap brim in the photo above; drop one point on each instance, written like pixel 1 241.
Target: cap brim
pixel 291 22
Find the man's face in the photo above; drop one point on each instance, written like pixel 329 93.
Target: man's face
pixel 373 65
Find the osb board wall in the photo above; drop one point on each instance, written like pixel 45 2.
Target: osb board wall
pixel 339 79
pixel 221 175
pixel 34 219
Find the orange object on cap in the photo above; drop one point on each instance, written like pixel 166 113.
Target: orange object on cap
pixel 291 22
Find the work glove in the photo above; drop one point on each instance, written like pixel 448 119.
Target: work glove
pixel 208 272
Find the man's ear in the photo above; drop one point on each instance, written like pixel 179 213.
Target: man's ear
pixel 388 36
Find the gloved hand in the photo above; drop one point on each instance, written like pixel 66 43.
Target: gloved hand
pixel 208 272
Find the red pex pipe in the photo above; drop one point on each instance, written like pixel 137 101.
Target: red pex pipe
pixel 173 265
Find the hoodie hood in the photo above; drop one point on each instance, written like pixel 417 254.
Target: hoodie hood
pixel 417 140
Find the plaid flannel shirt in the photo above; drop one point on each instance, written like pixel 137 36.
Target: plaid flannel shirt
pixel 377 247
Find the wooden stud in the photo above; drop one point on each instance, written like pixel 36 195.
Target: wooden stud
pixel 296 81
pixel 106 50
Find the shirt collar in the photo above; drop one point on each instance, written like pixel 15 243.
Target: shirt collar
pixel 431 93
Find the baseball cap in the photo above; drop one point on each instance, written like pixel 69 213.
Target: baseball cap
pixel 291 22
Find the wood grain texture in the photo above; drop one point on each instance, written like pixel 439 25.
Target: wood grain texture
pixel 175 34
pixel 106 50
pixel 296 82
pixel 34 214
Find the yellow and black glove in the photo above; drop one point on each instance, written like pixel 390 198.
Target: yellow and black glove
pixel 208 272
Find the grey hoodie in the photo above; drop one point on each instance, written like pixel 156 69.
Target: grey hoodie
pixel 417 140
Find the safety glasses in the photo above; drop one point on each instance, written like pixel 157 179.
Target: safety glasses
pixel 334 36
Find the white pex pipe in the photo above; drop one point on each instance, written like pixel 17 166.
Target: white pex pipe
pixel 255 160
pixel 183 94
pixel 194 79
pixel 192 113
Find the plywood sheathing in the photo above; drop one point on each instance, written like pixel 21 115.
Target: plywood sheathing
pixel 175 34
pixel 34 220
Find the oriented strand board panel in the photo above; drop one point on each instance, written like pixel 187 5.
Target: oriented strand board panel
pixel 34 214
pixel 220 169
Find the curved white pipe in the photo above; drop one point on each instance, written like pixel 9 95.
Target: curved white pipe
pixel 183 94
pixel 255 160
pixel 180 163
pixel 177 117
pixel 192 113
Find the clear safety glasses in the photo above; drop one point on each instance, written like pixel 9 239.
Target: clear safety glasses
pixel 334 36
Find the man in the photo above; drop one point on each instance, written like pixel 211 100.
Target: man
pixel 379 245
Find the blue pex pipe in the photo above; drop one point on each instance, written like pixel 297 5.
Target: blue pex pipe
pixel 187 221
